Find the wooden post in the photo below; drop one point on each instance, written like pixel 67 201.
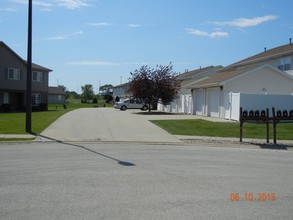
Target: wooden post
pixel 274 125
pixel 268 126
pixel 241 124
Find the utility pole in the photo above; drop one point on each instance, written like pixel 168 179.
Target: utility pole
pixel 28 127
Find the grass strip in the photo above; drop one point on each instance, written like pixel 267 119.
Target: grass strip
pixel 199 127
pixel 14 123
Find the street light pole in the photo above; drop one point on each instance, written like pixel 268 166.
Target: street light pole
pixel 28 127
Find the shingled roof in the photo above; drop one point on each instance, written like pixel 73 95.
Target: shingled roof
pixel 221 77
pixel 276 52
pixel 199 74
pixel 52 90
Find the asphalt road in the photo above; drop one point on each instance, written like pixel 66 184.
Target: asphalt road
pixel 51 180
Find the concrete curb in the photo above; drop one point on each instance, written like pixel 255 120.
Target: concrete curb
pixel 20 136
pixel 245 141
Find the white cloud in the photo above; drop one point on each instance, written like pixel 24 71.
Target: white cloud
pixel 92 63
pixel 38 3
pixel 57 38
pixel 69 4
pixel 216 34
pixel 197 32
pixel 100 24
pixel 73 4
pixel 8 9
pixel 21 1
pixel 134 25
pixel 41 3
pixel 64 36
pixel 246 22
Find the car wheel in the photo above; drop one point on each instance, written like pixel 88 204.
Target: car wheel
pixel 144 108
pixel 123 108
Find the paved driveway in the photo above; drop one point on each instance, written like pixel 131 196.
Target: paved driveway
pixel 107 124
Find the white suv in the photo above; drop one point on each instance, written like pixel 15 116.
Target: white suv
pixel 131 104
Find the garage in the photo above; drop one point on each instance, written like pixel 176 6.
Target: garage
pixel 213 108
pixel 199 101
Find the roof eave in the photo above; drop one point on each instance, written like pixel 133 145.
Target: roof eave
pixel 205 85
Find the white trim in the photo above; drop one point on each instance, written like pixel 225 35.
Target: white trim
pixel 16 74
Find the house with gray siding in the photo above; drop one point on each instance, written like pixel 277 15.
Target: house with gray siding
pixel 56 95
pixel 13 75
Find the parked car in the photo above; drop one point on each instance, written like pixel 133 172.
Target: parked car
pixel 131 104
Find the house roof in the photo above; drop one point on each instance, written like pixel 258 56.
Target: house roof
pixel 34 66
pixel 55 91
pixel 195 75
pixel 224 76
pixel 276 52
pixel 121 85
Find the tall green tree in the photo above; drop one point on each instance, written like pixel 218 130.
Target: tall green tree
pixel 64 90
pixel 153 85
pixel 106 89
pixel 87 92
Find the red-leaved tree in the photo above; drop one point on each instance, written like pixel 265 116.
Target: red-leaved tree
pixel 153 85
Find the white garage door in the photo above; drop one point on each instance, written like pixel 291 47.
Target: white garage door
pixel 214 103
pixel 199 102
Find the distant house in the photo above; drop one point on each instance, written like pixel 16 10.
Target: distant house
pixel 56 95
pixel 13 75
pixel 121 91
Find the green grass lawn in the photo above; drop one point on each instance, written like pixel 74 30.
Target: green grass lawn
pixel 223 129
pixel 14 123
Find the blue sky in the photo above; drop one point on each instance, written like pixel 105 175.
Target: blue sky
pixel 101 41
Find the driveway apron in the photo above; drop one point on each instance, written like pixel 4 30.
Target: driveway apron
pixel 106 124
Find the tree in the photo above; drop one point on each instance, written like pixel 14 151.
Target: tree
pixel 107 92
pixel 151 85
pixel 87 92
pixel 106 89
pixel 64 90
pixel 62 87
pixel 73 95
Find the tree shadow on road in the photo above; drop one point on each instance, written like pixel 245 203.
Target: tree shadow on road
pixel 120 162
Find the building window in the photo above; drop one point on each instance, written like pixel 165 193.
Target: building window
pixel 36 99
pixel 38 76
pixel 285 64
pixel 13 74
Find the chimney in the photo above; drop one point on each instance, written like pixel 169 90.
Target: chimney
pixel 290 41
